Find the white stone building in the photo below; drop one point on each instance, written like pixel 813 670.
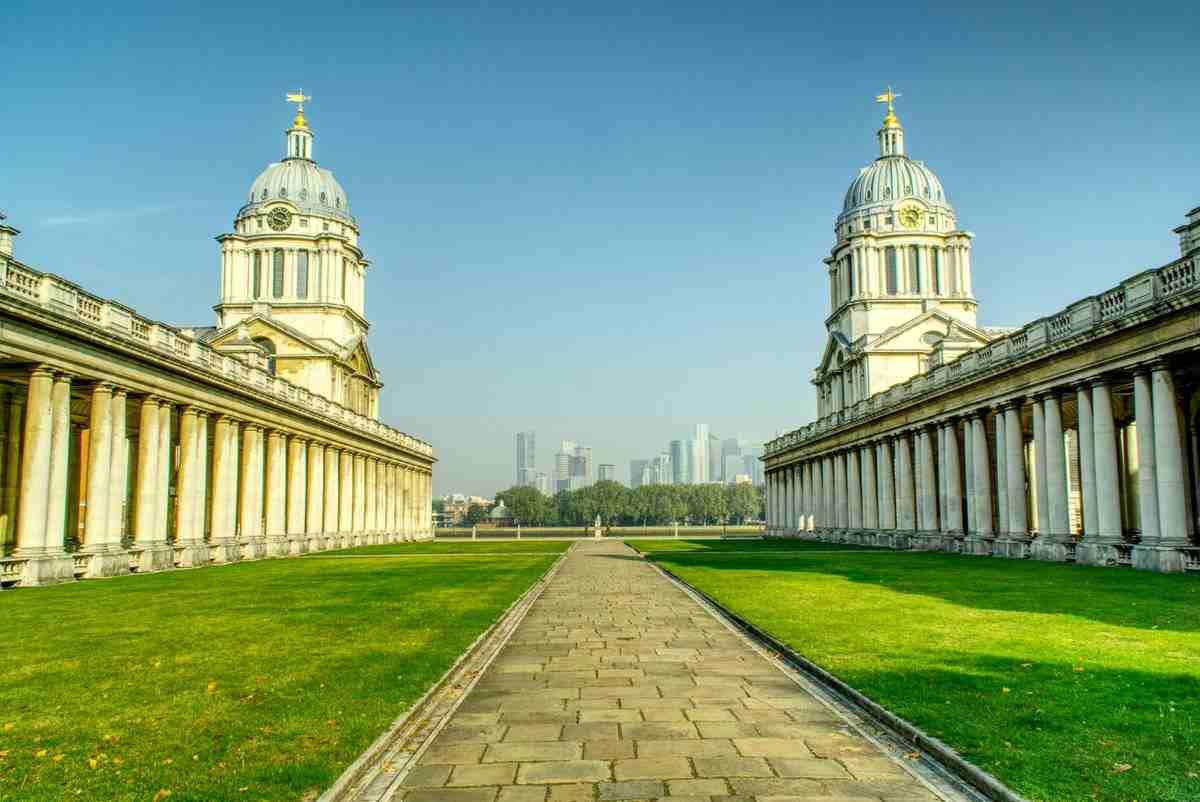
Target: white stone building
pixel 130 445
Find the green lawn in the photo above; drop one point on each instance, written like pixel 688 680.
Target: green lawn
pixel 1068 683
pixel 254 681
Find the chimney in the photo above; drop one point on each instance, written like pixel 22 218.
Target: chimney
pixel 7 234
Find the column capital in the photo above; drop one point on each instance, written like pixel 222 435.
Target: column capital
pixel 226 418
pixel 298 439
pixel 1016 402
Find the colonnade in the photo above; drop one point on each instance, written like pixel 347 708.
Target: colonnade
pixel 143 482
pixel 1098 471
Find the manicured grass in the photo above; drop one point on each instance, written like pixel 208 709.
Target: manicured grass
pixel 451 548
pixel 1068 683
pixel 254 681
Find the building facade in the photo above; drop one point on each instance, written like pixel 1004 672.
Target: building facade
pixel 1072 438
pixel 526 459
pixel 130 445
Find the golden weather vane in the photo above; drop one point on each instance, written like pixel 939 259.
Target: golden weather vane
pixel 889 98
pixel 299 98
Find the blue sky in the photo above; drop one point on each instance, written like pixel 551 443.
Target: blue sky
pixel 604 222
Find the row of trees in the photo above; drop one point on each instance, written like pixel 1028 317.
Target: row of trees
pixel 647 505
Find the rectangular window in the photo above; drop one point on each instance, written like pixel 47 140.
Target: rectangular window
pixel 937 271
pixel 893 273
pixel 277 274
pixel 952 272
pixel 850 272
pixel 345 272
pixel 317 291
pixel 302 274
pixel 914 269
pixel 256 274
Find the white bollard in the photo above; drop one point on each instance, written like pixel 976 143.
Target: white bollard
pixel 472 531
pixel 518 531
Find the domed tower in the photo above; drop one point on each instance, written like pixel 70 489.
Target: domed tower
pixel 899 278
pixel 293 278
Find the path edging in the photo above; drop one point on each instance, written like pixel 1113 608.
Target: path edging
pixel 345 787
pixel 937 750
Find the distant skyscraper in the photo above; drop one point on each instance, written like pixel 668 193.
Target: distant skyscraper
pixel 607 472
pixel 526 458
pixel 572 466
pixel 636 467
pixel 679 463
pixel 660 468
pixel 716 471
pixel 699 459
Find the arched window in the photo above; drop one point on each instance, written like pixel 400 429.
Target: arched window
pixel 892 279
pixel 256 274
pixel 264 193
pixel 324 199
pixel 269 347
pixel 302 274
pixel 277 273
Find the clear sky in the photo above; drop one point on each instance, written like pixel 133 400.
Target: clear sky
pixel 603 222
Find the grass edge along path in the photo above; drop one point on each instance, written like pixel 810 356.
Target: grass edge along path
pixel 253 681
pixel 1066 682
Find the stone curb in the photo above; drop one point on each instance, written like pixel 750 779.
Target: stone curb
pixel 422 717
pixel 937 751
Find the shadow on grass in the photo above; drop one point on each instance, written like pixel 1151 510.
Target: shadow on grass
pixel 1120 597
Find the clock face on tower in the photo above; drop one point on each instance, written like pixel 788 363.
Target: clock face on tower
pixel 910 216
pixel 279 218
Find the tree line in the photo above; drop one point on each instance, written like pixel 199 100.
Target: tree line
pixel 648 505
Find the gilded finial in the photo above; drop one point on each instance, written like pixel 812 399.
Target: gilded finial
pixel 299 98
pixel 889 97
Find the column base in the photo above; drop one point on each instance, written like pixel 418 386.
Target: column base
pixel 297 545
pixel 112 561
pixel 979 546
pixel 191 554
pixel 277 546
pixel 1055 551
pixel 1093 553
pixel 224 550
pixel 153 557
pixel 1164 559
pixel 49 569
pixel 316 542
pixel 253 548
pixel 1012 548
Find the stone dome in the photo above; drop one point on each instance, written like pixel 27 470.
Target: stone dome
pixel 302 183
pixel 890 179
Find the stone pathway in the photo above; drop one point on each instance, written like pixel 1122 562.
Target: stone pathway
pixel 618 686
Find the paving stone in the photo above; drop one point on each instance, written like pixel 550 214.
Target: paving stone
pixel 450 795
pixel 457 753
pixel 591 731
pixel 638 789
pixel 809 767
pixel 564 771
pixel 658 730
pixel 427 776
pixel 483 774
pixel 760 787
pixel 726 729
pixel 571 793
pixel 872 768
pixel 732 767
pixel 662 714
pixel 697 788
pixel 686 747
pixel 771 747
pixel 709 714
pixel 535 732
pixel 624 716
pixel 452 735
pixel 522 793
pixel 475 719
pixel 530 752
pixel 652 768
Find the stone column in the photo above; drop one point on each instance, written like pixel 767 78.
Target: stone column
pixel 1056 473
pixel 41 568
pixel 854 493
pixel 829 484
pixel 841 509
pixel 60 456
pixel 370 500
pixel 906 506
pixel 101 540
pixel 983 474
pixel 223 545
pixel 810 490
pixel 202 489
pixel 1001 471
pixel 887 485
pixel 929 481
pixel 770 501
pixel 346 500
pixel 190 549
pixel 1041 508
pixel 1087 457
pixel 870 492
pixel 359 482
pixel 314 516
pixel 1098 546
pixel 297 494
pixel 153 553
pixel 1014 464
pixel 952 519
pixel 333 470
pixel 166 459
pixel 277 545
pixel 253 547
pixel 1164 553
pixel 940 465
pixel 968 469
pixel 12 466
pixel 1147 479
pixel 118 473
